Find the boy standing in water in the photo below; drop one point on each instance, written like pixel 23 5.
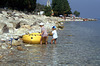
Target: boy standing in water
pixel 54 33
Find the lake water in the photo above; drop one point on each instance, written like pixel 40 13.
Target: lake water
pixel 78 45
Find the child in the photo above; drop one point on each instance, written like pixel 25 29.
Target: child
pixel 44 34
pixel 54 33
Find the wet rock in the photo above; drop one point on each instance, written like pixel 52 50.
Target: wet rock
pixel 1 56
pixel 61 27
pixel 20 48
pixel 16 43
pixel 4 47
pixel 11 53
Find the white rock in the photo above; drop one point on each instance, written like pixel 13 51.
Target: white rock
pixel 11 30
pixel 4 13
pixel 3 47
pixel 16 14
pixel 10 25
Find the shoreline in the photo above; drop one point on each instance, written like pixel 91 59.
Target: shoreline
pixel 79 19
pixel 17 23
pixel 14 24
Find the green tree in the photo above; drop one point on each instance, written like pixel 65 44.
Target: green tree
pixel 47 11
pixel 39 7
pixel 3 3
pixel 28 5
pixel 61 7
pixel 76 13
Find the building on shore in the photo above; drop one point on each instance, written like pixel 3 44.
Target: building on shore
pixel 48 3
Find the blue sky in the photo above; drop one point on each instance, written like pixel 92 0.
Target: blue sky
pixel 87 8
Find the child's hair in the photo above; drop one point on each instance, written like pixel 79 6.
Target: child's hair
pixel 54 27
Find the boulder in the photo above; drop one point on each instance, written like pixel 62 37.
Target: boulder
pixel 9 25
pixel 20 48
pixel 3 28
pixel 11 30
pixel 16 43
pixel 26 26
pixel 4 13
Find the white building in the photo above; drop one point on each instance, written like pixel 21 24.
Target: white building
pixel 48 3
pixel 41 12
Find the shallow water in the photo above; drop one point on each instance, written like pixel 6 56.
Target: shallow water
pixel 78 45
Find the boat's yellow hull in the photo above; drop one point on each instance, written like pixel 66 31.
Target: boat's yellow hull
pixel 33 38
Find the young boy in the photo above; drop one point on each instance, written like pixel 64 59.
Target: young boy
pixel 54 33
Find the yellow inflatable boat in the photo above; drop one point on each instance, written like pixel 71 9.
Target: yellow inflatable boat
pixel 33 38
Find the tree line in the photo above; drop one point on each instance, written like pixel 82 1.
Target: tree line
pixel 28 5
pixel 58 7
pixel 61 7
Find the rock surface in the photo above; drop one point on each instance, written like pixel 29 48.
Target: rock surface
pixel 15 23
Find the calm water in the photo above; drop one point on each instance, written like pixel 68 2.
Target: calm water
pixel 78 45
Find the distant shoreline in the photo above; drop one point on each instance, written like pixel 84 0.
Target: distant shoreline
pixel 79 19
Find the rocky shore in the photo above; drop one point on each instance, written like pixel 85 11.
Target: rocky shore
pixel 14 24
